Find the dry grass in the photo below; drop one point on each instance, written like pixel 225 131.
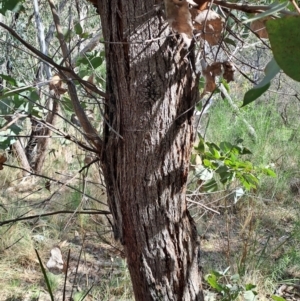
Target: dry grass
pixel 21 275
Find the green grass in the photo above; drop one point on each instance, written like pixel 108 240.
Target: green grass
pixel 261 249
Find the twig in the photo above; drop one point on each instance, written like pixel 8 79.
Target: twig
pixel 56 181
pixel 202 205
pixel 296 6
pixel 104 212
pixel 17 117
pixel 45 58
pixel 90 132
pixel 249 8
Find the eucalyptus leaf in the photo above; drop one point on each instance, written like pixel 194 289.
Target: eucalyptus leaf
pixel 285 42
pixel 210 186
pixel 254 93
pixel 203 173
pixel 249 296
pixel 278 298
pixel 271 70
pixel 273 9
pixel 78 28
pixel 11 5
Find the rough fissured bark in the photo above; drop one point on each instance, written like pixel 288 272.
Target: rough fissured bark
pixel 152 88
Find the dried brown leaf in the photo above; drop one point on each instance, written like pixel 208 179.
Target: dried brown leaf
pixel 202 4
pixel 56 85
pixel 179 18
pixel 215 69
pixel 258 26
pixel 2 160
pixel 209 24
pixel 55 82
pixel 210 82
pixel 228 71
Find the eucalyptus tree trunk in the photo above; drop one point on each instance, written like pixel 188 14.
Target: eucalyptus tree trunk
pixel 152 89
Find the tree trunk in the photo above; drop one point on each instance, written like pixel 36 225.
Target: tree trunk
pixel 152 88
pixel 19 152
pixel 43 143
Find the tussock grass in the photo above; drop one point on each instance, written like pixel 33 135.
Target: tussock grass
pixel 258 236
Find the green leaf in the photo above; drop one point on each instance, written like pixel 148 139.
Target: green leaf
pixel 271 70
pixel 248 181
pixel 214 150
pixel 275 9
pixel 269 172
pixel 249 296
pixel 201 83
pixel 249 286
pixel 9 79
pixel 226 146
pixel 213 282
pixel 201 146
pixel 7 138
pixel 14 130
pixel 15 91
pixel 222 169
pixel 199 106
pixel 277 298
pixel 245 151
pixel 85 35
pixel 11 5
pixel 254 93
pixel 207 163
pixel 210 186
pixel 285 43
pixel 91 59
pixel 96 62
pixel 203 173
pixel 226 177
pixel 67 104
pixel 78 29
pixel 230 41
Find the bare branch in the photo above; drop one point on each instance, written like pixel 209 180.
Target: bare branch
pixel 14 120
pixel 296 6
pixel 104 212
pixel 249 8
pixel 72 75
pixel 90 131
pixel 56 181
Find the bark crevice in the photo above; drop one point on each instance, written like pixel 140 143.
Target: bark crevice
pixel 152 90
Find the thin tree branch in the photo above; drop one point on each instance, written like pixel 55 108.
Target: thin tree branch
pixel 104 212
pixel 90 132
pixel 56 181
pixel 69 71
pixel 296 6
pixel 249 8
pixel 14 120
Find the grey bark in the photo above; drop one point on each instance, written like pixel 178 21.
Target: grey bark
pixel 21 156
pixel 43 143
pixel 152 89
